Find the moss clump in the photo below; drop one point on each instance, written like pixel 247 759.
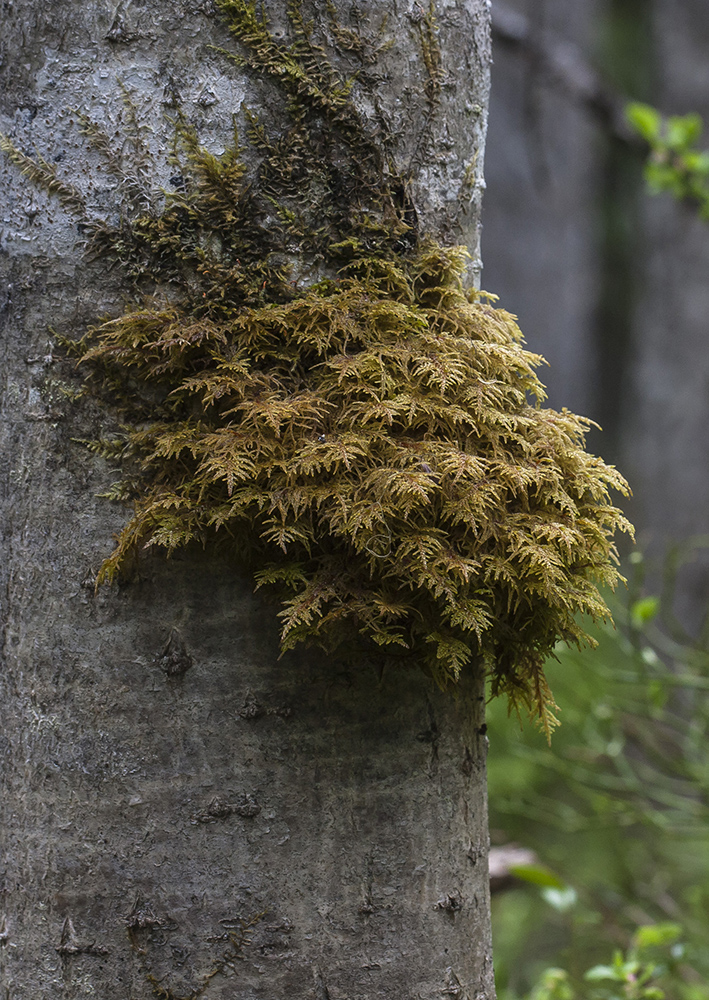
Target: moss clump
pixel 312 383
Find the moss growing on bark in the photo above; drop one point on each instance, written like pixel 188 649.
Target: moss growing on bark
pixel 308 381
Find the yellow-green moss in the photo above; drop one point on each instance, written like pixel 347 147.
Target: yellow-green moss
pixel 324 396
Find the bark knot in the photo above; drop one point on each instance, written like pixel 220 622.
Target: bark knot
pixel 174 660
pixel 450 903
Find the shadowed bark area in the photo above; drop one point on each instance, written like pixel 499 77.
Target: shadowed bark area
pixel 183 813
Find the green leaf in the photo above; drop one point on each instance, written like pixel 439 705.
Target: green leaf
pixel 682 132
pixel 644 610
pixel 599 972
pixel 645 119
pixel 657 935
pixel 553 985
pixel 538 875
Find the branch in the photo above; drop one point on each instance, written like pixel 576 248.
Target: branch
pixel 504 860
pixel 564 66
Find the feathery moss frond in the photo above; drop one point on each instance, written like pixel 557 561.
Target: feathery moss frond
pixel 43 175
pixel 380 459
pixel 372 441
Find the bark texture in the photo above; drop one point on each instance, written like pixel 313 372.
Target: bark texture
pixel 183 813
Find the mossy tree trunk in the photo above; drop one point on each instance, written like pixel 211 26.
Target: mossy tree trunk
pixel 184 813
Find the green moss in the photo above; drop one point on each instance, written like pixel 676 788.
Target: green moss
pixel 311 384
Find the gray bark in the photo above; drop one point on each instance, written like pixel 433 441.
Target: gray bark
pixel 167 779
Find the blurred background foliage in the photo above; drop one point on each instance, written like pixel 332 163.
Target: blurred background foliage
pixel 596 104
pixel 616 810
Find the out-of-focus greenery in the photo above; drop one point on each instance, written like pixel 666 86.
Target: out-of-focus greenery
pixel 618 808
pixel 633 975
pixel 675 163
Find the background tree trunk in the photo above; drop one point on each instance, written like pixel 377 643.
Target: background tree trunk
pixel 177 801
pixel 609 282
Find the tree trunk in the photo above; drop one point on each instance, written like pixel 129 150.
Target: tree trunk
pixel 184 812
